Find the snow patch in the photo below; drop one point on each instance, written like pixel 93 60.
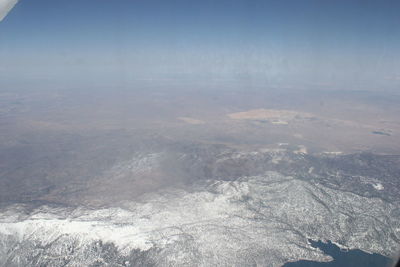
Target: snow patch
pixel 378 186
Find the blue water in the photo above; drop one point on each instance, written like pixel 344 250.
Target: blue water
pixel 351 258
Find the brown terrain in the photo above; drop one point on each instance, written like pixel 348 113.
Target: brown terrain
pixel 66 145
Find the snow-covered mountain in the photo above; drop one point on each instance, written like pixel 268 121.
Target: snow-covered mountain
pixel 236 216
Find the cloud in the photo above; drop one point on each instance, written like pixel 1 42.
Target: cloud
pixel 5 7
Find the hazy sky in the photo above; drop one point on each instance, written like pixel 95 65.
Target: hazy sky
pixel 325 44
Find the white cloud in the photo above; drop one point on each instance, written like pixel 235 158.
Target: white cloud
pixel 5 7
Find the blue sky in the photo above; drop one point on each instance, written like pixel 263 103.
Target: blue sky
pixel 320 44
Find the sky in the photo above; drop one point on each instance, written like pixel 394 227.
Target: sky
pixel 290 44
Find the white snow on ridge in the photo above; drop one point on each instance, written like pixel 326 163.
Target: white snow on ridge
pixel 378 186
pixel 301 150
pixel 258 217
